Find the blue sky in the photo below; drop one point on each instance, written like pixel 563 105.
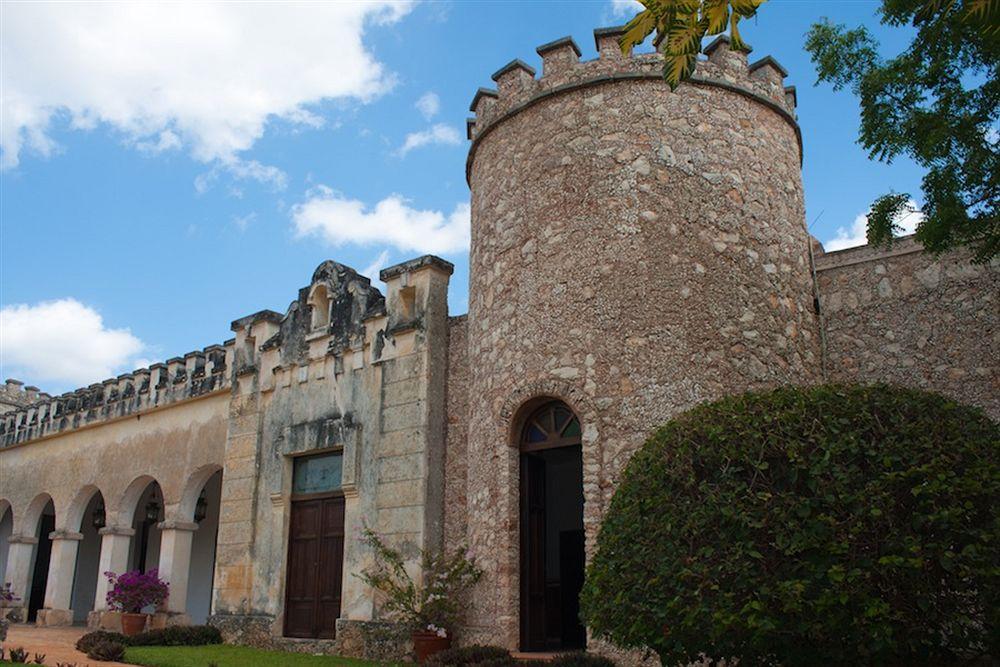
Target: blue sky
pixel 169 169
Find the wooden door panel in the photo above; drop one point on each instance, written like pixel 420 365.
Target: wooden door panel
pixel 533 630
pixel 315 568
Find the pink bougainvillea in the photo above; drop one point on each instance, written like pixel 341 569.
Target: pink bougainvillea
pixel 132 591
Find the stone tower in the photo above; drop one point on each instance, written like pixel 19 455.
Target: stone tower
pixel 635 251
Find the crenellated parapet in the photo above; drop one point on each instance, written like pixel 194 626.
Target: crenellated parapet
pixel 518 88
pixel 196 374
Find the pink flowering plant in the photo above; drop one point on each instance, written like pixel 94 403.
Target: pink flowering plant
pixel 435 603
pixel 7 593
pixel 132 591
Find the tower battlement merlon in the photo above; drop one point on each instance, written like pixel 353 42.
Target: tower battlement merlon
pixel 722 68
pixel 197 373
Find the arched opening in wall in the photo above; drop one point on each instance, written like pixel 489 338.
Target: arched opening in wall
pixel 45 524
pixel 206 515
pixel 319 302
pixel 552 537
pixel 6 530
pixel 88 553
pixel 144 552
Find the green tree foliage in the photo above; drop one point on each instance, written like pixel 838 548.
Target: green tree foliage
pixel 823 526
pixel 937 102
pixel 680 26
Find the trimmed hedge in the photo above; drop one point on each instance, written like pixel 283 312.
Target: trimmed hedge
pixel 481 656
pixel 89 640
pixel 175 635
pixel 178 635
pixel 827 525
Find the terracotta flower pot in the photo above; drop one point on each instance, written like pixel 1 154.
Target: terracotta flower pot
pixel 133 624
pixel 426 644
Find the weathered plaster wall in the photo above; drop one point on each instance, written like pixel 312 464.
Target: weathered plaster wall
pixel 634 252
pixel 908 317
pixel 166 445
pixel 370 382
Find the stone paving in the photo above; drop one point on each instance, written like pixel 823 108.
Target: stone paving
pixel 56 643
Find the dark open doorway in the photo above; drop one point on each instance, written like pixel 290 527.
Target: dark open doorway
pixel 552 538
pixel 43 554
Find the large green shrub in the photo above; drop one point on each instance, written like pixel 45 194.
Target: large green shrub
pixel 831 525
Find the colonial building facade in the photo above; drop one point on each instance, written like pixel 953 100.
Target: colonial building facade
pixel 635 252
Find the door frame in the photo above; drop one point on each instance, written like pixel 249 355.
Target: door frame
pixel 300 498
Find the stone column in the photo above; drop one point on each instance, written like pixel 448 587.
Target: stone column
pixel 59 589
pixel 115 544
pixel 175 561
pixel 18 574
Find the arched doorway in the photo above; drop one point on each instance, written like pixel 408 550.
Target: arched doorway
pixel 552 538
pixel 144 554
pixel 88 556
pixel 203 545
pixel 46 523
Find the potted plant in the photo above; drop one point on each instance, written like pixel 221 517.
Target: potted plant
pixel 6 597
pixel 428 609
pixel 131 592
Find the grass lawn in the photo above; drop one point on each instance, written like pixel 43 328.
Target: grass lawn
pixel 231 656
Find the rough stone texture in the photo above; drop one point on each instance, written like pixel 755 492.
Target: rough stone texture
pixel 634 252
pixel 456 435
pixel 380 641
pixel 907 317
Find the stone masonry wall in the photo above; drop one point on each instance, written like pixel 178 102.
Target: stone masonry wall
pixel 907 317
pixel 457 433
pixel 635 251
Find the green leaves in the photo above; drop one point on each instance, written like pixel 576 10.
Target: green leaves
pixel 883 219
pixel 937 102
pixel 828 525
pixel 680 25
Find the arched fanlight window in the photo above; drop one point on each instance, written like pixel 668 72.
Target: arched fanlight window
pixel 552 425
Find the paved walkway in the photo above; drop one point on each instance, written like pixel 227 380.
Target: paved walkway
pixel 56 643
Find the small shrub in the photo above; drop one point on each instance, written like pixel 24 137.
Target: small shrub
pixel 581 659
pixel 177 635
pixel 828 525
pixel 107 651
pixel 471 655
pixel 19 655
pixel 39 658
pixel 66 664
pixel 86 642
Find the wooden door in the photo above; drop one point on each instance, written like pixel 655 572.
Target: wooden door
pixel 315 567
pixel 533 578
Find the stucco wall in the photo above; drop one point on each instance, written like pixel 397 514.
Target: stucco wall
pixel 166 444
pixel 908 317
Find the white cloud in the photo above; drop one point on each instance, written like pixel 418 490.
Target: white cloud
pixel 429 104
pixel 372 270
pixel 63 342
pixel 206 76
pixel 243 221
pixel 392 221
pixel 625 9
pixel 857 233
pixel 437 134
